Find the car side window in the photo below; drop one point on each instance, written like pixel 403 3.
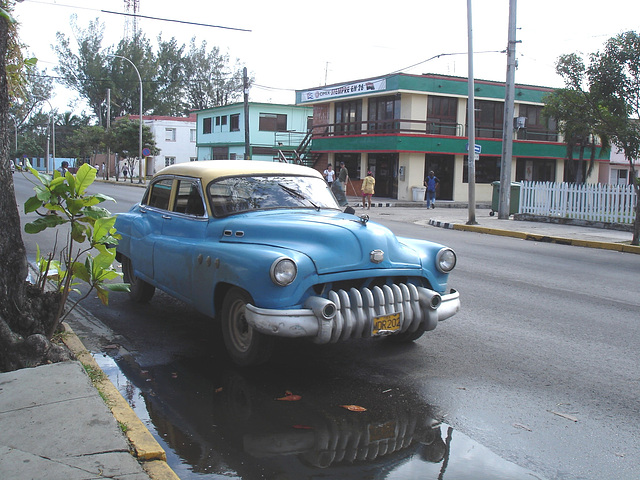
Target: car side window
pixel 160 193
pixel 188 198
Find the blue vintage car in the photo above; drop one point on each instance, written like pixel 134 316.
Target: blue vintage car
pixel 264 248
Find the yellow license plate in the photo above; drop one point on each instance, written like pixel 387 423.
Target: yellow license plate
pixel 386 324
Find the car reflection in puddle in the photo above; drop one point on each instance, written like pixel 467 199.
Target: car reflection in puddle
pixel 235 424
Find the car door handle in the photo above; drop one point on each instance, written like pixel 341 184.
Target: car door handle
pixel 166 217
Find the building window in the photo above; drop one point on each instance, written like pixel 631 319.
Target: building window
pixel 272 122
pixel 223 120
pixel 538 170
pixel 220 153
pixel 487 169
pixel 348 116
pixel 217 121
pixel 442 115
pixel 169 161
pixel 206 125
pixel 170 134
pixel 192 135
pixel 381 111
pixel 233 156
pixel 234 122
pixel 489 119
pixel 537 127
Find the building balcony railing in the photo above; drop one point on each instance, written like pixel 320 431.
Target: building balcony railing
pixel 421 127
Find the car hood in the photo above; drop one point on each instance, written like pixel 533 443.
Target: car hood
pixel 334 241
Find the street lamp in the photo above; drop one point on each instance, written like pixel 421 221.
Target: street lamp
pixel 140 131
pixel 53 131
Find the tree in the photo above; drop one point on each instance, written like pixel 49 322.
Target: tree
pixel 609 92
pixel 87 141
pixel 23 319
pixel 123 139
pixel 86 71
pixel 174 82
pixel 211 83
pixel 570 108
pixel 614 76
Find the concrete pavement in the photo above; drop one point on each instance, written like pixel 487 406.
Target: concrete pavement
pixel 67 421
pixel 55 423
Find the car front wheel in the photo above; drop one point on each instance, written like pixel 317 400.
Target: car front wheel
pixel 245 345
pixel 139 290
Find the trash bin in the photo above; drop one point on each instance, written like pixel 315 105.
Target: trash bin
pixel 418 193
pixel 514 201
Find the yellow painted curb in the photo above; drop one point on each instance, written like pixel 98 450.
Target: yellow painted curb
pixel 618 247
pixel 147 450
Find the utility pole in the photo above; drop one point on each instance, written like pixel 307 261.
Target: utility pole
pixel 471 127
pixel 507 131
pixel 108 126
pixel 247 144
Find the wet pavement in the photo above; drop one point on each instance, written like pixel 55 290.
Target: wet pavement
pixel 229 423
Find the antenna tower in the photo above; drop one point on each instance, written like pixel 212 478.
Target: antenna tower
pixel 131 23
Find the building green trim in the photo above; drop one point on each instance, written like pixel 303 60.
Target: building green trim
pixel 435 84
pixel 445 145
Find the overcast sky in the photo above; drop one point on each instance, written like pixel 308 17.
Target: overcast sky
pixel 294 45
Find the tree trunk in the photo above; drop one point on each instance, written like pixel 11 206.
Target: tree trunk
pixel 25 311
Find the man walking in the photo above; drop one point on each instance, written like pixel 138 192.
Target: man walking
pixel 431 182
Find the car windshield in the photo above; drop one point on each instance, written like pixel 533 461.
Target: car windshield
pixel 242 194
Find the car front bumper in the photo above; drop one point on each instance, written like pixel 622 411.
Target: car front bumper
pixel 344 315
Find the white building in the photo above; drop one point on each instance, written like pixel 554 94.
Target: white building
pixel 175 138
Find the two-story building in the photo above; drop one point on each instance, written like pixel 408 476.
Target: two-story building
pixel 176 139
pixel 402 126
pixel 275 131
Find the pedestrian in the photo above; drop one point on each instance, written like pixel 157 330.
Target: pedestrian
pixel 368 185
pixel 329 175
pixel 64 168
pixel 431 182
pixel 125 172
pixel 103 171
pixel 343 175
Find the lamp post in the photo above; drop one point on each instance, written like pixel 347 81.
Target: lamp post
pixel 140 130
pixel 53 132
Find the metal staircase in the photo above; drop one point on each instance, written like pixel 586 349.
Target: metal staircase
pixel 302 155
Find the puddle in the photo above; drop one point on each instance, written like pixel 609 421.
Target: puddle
pixel 231 424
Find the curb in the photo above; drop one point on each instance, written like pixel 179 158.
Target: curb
pixel 144 446
pixel 618 247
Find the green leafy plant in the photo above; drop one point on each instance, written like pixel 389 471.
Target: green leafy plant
pixel 90 229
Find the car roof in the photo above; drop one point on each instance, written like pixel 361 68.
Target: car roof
pixel 209 170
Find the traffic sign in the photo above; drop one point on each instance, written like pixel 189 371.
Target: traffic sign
pixel 146 152
pixel 477 149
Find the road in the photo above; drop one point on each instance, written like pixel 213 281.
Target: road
pixel 536 377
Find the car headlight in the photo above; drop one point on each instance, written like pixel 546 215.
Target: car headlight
pixel 283 271
pixel 445 260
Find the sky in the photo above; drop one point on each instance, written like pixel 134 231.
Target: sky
pixel 290 45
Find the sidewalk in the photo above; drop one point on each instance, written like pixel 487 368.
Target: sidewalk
pixel 56 425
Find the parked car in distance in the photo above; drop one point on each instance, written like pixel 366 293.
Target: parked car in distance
pixel 265 249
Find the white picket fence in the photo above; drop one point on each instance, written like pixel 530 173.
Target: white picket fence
pixel 595 202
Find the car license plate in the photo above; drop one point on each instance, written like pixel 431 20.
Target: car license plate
pixel 386 324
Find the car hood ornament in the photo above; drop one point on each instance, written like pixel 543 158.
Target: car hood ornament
pixel 376 256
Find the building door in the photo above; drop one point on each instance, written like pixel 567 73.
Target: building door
pixel 442 166
pixel 384 166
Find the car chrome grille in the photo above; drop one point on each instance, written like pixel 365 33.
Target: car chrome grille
pixel 357 308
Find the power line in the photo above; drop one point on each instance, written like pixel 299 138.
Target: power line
pixel 140 16
pixel 176 21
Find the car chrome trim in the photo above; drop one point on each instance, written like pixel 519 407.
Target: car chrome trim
pixel 353 313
